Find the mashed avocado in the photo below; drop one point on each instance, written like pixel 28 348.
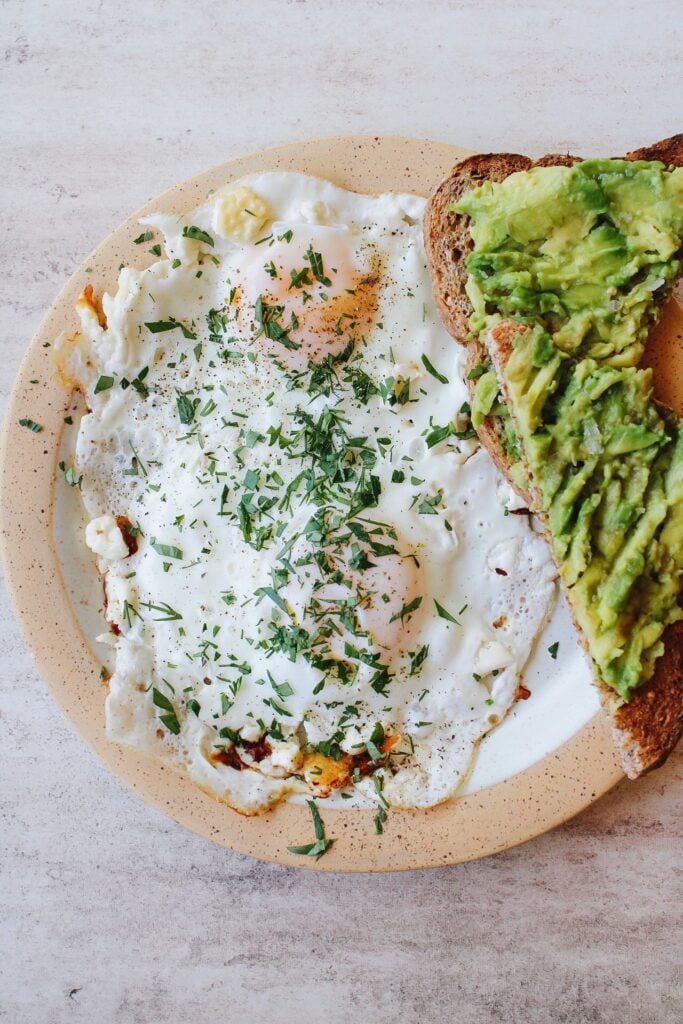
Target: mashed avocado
pixel 577 256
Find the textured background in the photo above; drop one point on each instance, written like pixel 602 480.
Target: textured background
pixel 108 911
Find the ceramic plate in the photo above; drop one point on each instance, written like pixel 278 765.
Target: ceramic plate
pixel 549 759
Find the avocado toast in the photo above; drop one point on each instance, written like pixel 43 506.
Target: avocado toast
pixel 559 269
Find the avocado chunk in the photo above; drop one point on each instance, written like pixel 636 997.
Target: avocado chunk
pixel 577 257
pixel 582 250
pixel 485 395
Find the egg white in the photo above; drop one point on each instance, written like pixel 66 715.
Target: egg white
pixel 196 607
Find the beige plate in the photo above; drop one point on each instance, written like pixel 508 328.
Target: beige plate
pixel 485 822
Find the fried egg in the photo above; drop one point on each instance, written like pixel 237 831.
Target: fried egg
pixel 313 583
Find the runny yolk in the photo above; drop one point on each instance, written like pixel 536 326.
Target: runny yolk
pixel 384 598
pixel 319 316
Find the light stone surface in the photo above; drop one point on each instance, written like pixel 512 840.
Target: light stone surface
pixel 111 913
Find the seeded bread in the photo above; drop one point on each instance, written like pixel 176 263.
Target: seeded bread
pixel 648 727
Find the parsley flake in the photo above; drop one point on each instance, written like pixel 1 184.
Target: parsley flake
pixel 30 425
pixel 159 326
pixel 103 384
pixel 200 236
pixel 430 368
pixel 167 550
pixel 321 844
pixel 170 719
pixel 444 613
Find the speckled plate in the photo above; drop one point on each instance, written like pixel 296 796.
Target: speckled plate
pixel 57 617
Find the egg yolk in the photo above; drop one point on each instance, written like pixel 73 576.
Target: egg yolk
pixel 306 299
pixel 371 601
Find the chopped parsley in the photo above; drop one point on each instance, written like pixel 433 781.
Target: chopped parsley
pixel 70 476
pixel 267 317
pixel 395 390
pixel 430 368
pixel 160 326
pixel 170 718
pixel 168 614
pixel 200 236
pixel 439 434
pixel 444 613
pixel 316 261
pixel 418 659
pixel 406 610
pixel 186 408
pixel 167 550
pixel 321 844
pixel 381 815
pixel 30 425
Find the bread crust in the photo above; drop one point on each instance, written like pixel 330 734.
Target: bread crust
pixel 647 728
pixel 491 430
pixel 447 236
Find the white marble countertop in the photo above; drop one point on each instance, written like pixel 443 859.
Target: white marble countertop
pixel 112 913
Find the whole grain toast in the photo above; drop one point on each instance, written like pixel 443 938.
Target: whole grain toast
pixel 648 727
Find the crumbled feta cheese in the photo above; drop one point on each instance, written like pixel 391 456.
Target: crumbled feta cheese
pixel 285 758
pixel 251 732
pixel 490 656
pixel 103 537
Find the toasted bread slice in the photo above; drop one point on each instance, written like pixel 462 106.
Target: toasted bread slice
pixel 448 243
pixel 648 727
pixel 447 234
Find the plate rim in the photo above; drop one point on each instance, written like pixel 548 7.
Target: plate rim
pixel 493 819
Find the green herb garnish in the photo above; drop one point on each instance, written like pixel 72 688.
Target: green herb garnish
pixel 267 318
pixel 168 614
pixel 407 609
pixel 200 236
pixel 170 719
pixel 316 261
pixel 186 409
pixel 167 550
pixel 159 326
pixel 444 613
pixel 30 425
pixel 439 434
pixel 430 368
pixel 321 845
pixel 417 660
